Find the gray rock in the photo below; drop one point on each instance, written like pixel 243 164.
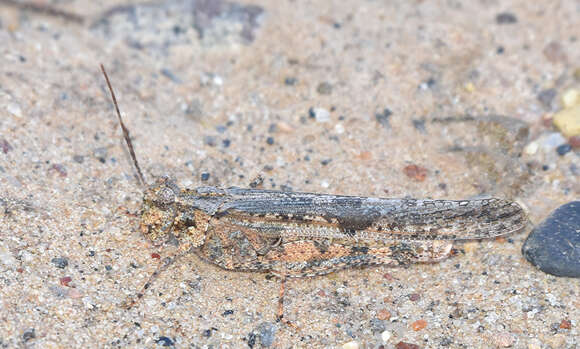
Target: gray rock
pixel 266 331
pixel 554 245
pixel 60 262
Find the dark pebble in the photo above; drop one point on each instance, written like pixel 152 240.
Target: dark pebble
pixel 554 244
pixel 206 333
pixel 60 262
pixel 226 143
pixel 210 140
pixel 506 18
pixel 78 159
pixel 546 97
pixel 383 118
pixel 251 340
pixel 311 113
pixel 270 140
pixel 108 267
pixel 29 334
pixel 100 154
pixel 324 88
pixel 563 149
pixel 5 146
pixel 290 81
pixel 227 312
pixel 419 125
pixel 204 176
pixel 165 341
pixel 500 50
pixel 326 162
pixel 170 75
pixel 403 345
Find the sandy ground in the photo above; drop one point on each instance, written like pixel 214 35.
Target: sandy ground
pixel 231 91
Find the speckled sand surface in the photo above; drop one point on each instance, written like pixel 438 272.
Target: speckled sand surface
pixel 207 100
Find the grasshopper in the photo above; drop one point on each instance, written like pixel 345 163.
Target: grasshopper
pixel 294 234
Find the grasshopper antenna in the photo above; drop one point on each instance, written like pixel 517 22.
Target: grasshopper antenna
pixel 140 176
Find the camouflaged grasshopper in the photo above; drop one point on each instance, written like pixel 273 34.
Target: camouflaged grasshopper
pixel 292 234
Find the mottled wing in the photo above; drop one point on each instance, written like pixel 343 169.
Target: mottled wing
pixel 308 215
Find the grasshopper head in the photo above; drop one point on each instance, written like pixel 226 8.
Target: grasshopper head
pixel 159 210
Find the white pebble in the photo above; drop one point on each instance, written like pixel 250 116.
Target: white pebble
pixel 350 345
pixel 531 148
pixel 14 109
pixel 6 257
pixel 385 336
pixel 321 115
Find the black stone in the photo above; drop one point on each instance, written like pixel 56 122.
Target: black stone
pixel 506 18
pixel 383 117
pixel 60 262
pixel 165 341
pixel 554 245
pixel 28 335
pixel 563 149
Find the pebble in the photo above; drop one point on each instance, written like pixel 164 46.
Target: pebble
pixel 383 117
pixel 385 336
pixel 571 98
pixel 549 142
pixel 554 52
pixel 383 314
pixel 563 149
pixel 415 172
pixel 414 297
pixel 60 262
pixel 403 345
pixel 28 334
pixel 506 18
pixel 14 109
pixel 290 81
pixel 574 142
pixel 565 324
pixel 65 281
pixel 503 340
pixel 554 244
pixel 350 345
pixel 165 341
pixel 6 256
pixel 320 114
pixel 568 121
pixel 267 333
pixel 377 325
pixel 5 146
pixel 419 325
pixel 546 97
pixel 324 88
pixel 531 148
pixel 100 154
